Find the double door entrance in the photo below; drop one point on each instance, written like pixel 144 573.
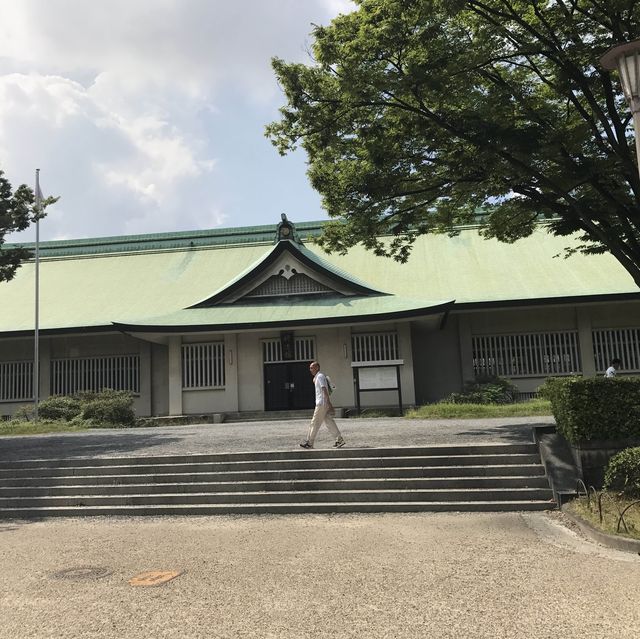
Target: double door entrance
pixel 288 386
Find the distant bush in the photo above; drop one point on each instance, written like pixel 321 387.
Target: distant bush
pixel 110 407
pixel 106 408
pixel 595 407
pixel 60 407
pixel 488 389
pixel 24 413
pixel 623 472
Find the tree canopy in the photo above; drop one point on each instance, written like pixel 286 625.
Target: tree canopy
pixel 419 116
pixel 16 213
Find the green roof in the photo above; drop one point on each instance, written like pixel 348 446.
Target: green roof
pixel 317 263
pixel 263 234
pixel 86 284
pixel 301 311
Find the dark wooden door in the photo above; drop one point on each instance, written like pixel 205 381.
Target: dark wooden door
pixel 302 393
pixel 288 386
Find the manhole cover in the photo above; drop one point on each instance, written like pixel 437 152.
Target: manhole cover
pixel 83 572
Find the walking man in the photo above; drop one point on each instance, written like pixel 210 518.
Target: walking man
pixel 324 411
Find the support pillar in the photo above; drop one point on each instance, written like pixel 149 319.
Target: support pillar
pixel 466 349
pixel 175 375
pixel 585 341
pixel 44 349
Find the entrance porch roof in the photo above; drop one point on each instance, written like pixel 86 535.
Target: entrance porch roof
pixel 289 313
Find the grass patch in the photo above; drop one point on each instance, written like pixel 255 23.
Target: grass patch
pixel 376 412
pixel 611 508
pixel 19 427
pixel 532 408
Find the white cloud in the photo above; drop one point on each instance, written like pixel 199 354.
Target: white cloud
pixel 133 110
pixel 334 7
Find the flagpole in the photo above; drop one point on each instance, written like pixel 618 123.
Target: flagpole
pixel 36 354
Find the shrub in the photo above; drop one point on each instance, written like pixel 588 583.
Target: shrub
pixel 109 407
pixel 24 413
pixel 623 472
pixel 594 408
pixel 60 407
pixel 485 390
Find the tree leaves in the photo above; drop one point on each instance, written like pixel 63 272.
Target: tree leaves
pixel 16 214
pixel 418 115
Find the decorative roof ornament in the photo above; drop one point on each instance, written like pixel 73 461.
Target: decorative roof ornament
pixel 286 231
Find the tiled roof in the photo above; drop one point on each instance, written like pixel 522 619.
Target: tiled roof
pixel 264 234
pixel 92 283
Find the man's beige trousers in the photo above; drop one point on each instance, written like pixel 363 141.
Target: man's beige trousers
pixel 321 414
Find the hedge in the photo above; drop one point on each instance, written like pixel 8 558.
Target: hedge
pixel 595 408
pixel 623 472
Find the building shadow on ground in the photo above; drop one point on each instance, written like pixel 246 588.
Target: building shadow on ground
pixel 81 445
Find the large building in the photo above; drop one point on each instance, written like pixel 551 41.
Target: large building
pixel 227 320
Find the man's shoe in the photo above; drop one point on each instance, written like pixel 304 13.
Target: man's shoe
pixel 306 445
pixel 339 443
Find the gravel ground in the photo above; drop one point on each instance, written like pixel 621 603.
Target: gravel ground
pixel 375 576
pixel 443 575
pixel 282 435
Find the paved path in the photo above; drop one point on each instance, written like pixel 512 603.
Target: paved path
pixel 283 435
pixel 445 575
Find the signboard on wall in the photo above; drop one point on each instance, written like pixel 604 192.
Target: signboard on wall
pixel 378 377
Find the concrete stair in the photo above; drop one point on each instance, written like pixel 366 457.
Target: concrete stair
pixel 268 416
pixel 489 477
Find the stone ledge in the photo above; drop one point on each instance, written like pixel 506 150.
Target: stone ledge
pixel 612 541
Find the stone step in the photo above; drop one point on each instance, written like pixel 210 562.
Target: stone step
pixel 268 416
pixel 300 462
pixel 529 470
pixel 399 479
pixel 330 453
pixel 281 508
pixel 393 483
pixel 438 495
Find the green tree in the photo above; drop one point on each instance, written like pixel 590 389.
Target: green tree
pixel 17 212
pixel 420 115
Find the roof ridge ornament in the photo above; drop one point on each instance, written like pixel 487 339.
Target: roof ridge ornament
pixel 286 230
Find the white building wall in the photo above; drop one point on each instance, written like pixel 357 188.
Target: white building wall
pixel 218 400
pixel 435 362
pixel 72 346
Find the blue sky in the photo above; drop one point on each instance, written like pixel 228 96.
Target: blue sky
pixel 148 116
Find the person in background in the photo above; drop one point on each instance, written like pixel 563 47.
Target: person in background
pixel 613 367
pixel 324 410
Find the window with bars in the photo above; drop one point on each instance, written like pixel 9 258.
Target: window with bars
pixel 297 284
pixel 115 372
pixel 375 347
pixel 527 354
pixel 623 343
pixel 304 350
pixel 16 381
pixel 203 365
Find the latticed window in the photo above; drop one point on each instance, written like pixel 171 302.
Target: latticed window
pixel 296 284
pixel 304 350
pixel 621 343
pixel 16 381
pixel 115 372
pixel 526 354
pixel 203 365
pixel 375 347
